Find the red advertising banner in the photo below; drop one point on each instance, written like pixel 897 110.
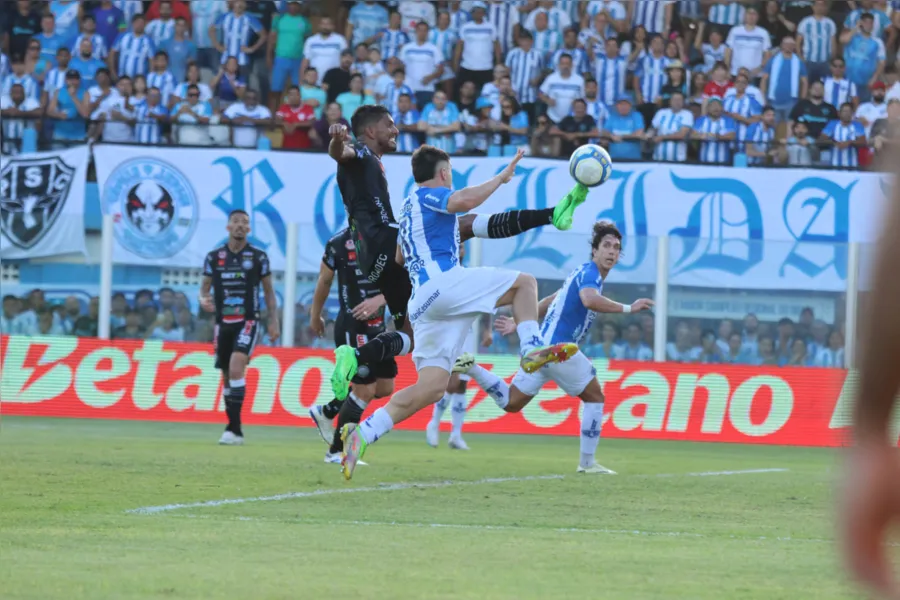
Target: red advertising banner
pixel 165 381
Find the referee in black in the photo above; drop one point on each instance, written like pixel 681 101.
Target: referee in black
pixel 235 273
pixel 360 319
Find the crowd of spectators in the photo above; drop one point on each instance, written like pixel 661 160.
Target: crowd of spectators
pixel 793 82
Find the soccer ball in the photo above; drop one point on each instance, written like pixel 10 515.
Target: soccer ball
pixel 590 165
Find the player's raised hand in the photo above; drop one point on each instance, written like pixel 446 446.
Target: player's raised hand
pixel 338 132
pixel 504 325
pixel 507 174
pixel 641 304
pixel 207 304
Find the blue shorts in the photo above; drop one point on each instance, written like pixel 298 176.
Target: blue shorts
pixel 282 69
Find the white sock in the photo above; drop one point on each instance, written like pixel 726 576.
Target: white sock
pixel 407 343
pixel 591 421
pixel 529 336
pixel 376 426
pixel 439 409
pixel 480 226
pixel 493 386
pixel 458 406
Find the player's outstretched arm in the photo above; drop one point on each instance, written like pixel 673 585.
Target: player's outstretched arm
pixel 592 300
pixel 339 147
pixel 474 196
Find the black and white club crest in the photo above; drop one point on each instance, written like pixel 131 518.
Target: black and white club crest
pixel 33 192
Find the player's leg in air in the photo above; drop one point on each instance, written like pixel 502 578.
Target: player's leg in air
pixel 448 297
pixel 454 399
pixel 493 226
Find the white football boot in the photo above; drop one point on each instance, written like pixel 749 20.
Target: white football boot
pixel 230 439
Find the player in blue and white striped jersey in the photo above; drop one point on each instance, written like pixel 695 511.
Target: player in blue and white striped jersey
pixel 525 66
pixel 671 128
pixel 569 314
pixel 716 132
pixel 148 116
pixel 406 118
pixel 654 15
pixel 730 14
pixel 446 297
pixel 847 136
pixel 611 72
pixel 132 51
pixel 236 29
pixel 760 138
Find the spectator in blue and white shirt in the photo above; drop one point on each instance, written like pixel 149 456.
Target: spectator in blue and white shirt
pixel 616 13
pixel 364 22
pixel 4 66
pixel 728 14
pixel 580 62
pixel 18 113
pixel 594 37
pixel 439 121
pixel 20 77
pixel 504 15
pixel 839 89
pixel 670 131
pixel 557 18
pixel 89 31
pixel 716 132
pixel 130 8
pixel 596 108
pixel 132 52
pixel 881 20
pixel 784 80
pixel 406 119
pixel 162 29
pixel 161 78
pixel 611 72
pixel 560 89
pixel 748 44
pixel 323 50
pixel 634 347
pixel 396 88
pixel 817 40
pixel 864 55
pixel 525 65
pixel 204 14
pixel 650 76
pixel 847 137
pixel 424 64
pixel 445 37
pixel 743 109
pixel 654 15
pixel 149 117
pixel 236 28
pixel 393 37
pixel 546 41
pixel 714 51
pixel 760 143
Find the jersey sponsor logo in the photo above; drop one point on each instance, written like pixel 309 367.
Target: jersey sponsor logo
pixel 154 207
pixel 247 264
pixel 233 301
pixel 232 275
pixel 222 254
pixel 33 193
pixel 377 268
pixel 361 339
pixel 349 245
pixel 425 305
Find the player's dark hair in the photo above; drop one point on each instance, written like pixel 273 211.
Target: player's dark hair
pixel 603 229
pixel 425 161
pixel 238 211
pixel 366 116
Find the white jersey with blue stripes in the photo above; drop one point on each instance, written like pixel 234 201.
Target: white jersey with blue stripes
pixel 429 234
pixel 568 320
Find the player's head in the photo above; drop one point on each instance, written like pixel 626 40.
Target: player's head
pixel 238 225
pixel 432 164
pixel 374 125
pixel 606 244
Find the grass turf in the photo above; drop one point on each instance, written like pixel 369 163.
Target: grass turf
pixel 67 486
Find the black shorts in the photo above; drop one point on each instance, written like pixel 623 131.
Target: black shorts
pixel 396 288
pixel 231 338
pixel 348 331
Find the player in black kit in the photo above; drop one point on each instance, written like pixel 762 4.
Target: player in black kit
pixel 235 273
pixel 361 318
pixel 364 188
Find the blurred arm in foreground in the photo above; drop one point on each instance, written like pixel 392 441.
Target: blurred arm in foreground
pixel 871 493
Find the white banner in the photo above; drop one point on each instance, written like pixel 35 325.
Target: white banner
pixel 42 203
pixel 738 228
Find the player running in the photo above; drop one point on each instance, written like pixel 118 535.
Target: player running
pixel 361 317
pixel 569 315
pixel 363 185
pixel 235 272
pixel 447 297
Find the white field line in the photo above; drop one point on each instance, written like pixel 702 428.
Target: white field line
pixel 149 510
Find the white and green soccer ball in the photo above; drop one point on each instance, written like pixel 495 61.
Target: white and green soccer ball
pixel 590 165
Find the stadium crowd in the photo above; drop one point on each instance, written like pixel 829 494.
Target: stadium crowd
pixel 793 82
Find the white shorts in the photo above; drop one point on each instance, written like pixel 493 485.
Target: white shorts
pixel 443 310
pixel 572 376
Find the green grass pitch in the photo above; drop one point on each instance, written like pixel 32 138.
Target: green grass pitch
pixel 508 520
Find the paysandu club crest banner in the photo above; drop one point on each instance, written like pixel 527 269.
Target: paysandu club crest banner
pixel 744 228
pixel 42 203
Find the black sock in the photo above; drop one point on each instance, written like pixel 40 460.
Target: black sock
pixel 234 401
pixel 384 346
pixel 513 222
pixel 332 409
pixel 351 412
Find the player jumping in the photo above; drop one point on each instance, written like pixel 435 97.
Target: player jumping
pixel 447 297
pixel 235 272
pixel 569 315
pixel 363 185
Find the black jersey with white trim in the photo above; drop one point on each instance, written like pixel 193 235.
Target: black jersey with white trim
pixel 236 281
pixel 364 188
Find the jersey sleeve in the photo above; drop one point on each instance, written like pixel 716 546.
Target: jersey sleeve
pixel 208 265
pixel 264 268
pixel 329 257
pixel 829 129
pixel 435 199
pixel 590 278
